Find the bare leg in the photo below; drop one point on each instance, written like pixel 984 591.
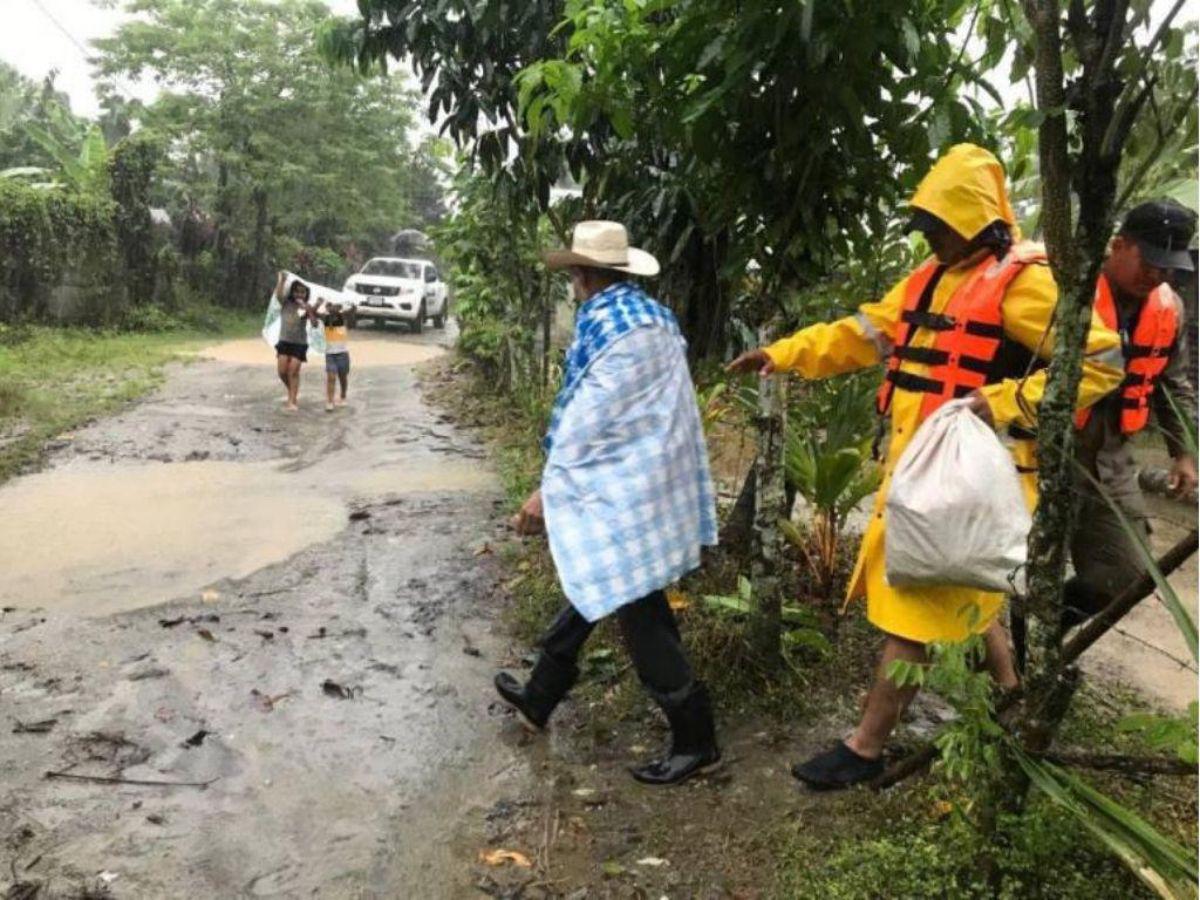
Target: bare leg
pixel 330 382
pixel 998 657
pixel 293 384
pixel 344 379
pixel 281 366
pixel 886 702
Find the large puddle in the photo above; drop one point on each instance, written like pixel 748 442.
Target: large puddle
pixel 367 352
pixel 95 539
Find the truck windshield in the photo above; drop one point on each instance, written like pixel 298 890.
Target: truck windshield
pixel 392 268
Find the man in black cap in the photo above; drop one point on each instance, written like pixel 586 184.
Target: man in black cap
pixel 1135 299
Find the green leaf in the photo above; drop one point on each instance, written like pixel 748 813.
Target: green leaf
pixel 727 604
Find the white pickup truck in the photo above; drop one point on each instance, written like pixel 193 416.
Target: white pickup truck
pixel 403 290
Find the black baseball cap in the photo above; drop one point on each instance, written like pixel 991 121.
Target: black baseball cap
pixel 1162 230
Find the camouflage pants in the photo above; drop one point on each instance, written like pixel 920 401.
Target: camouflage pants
pixel 1104 555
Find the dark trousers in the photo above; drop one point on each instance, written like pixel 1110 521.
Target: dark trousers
pixel 651 636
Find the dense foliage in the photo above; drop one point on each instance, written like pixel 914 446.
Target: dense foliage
pixel 58 254
pixel 260 154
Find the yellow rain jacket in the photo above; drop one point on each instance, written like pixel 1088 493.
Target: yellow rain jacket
pixel 965 189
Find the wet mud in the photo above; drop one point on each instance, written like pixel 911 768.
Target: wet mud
pixel 282 617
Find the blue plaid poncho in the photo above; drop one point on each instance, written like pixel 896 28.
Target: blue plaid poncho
pixel 626 488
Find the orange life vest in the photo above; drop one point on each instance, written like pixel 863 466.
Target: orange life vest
pixel 970 331
pixel 1147 350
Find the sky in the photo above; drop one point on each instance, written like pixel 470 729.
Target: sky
pixel 40 35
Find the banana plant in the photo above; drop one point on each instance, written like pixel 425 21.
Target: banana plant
pixel 81 153
pixel 829 463
pixel 25 174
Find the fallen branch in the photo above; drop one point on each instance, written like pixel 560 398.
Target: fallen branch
pixel 1134 593
pixel 1130 765
pixel 104 779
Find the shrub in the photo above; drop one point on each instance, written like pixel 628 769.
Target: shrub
pixel 53 237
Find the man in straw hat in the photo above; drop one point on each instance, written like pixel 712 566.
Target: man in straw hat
pixel 973 320
pixel 626 496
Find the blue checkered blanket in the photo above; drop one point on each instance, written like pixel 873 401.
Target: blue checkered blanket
pixel 626 489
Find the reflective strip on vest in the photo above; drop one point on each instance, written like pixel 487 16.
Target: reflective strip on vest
pixel 969 332
pixel 1145 353
pixel 883 346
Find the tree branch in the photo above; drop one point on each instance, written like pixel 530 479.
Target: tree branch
pixel 1129 765
pixel 1053 155
pixel 1145 55
pixel 1160 144
pixel 1133 594
pixel 1123 120
pixel 1115 37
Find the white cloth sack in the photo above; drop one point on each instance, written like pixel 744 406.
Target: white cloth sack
pixel 319 296
pixel 955 511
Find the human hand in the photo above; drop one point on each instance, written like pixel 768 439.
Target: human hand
pixel 1182 479
pixel 978 404
pixel 530 519
pixel 753 361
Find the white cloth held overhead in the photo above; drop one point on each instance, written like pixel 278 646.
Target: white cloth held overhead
pixel 319 296
pixel 955 511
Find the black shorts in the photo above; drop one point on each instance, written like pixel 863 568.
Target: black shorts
pixel 296 351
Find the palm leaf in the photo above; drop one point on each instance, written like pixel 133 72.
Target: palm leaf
pixel 72 172
pixel 1162 864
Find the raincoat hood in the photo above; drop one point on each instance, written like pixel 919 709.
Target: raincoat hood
pixel 966 190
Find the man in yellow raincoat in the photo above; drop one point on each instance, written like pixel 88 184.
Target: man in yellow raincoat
pixel 972 321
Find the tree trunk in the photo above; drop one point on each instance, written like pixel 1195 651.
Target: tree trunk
pixel 547 316
pixel 255 287
pixel 769 499
pixel 706 311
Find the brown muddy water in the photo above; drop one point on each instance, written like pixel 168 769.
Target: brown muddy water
pixel 363 352
pixel 97 539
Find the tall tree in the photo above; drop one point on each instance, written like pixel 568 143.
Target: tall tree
pixel 262 132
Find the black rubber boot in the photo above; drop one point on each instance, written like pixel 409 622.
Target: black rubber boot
pixel 693 740
pixel 535 700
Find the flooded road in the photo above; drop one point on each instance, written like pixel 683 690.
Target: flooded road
pixel 291 610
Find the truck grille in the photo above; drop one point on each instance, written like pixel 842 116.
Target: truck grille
pixel 377 290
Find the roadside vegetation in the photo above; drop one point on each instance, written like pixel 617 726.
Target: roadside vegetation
pixel 55 379
pixel 694 124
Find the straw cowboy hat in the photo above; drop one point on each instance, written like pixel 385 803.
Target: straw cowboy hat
pixel 602 245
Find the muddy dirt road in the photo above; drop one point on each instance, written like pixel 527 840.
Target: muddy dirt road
pixel 287 609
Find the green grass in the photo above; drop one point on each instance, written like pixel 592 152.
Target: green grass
pixel 922 844
pixel 55 379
